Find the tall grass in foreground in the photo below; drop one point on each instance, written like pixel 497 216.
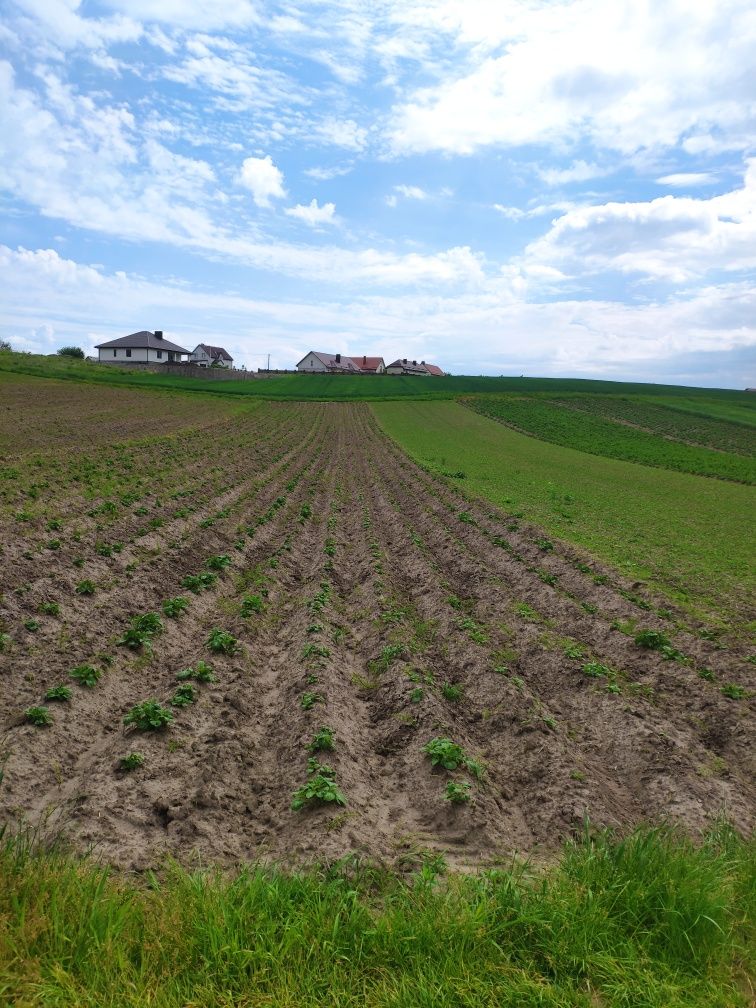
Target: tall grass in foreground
pixel 652 920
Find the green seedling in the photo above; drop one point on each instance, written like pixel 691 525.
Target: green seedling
pixel 185 694
pixel 330 548
pixel 143 628
pixel 733 691
pixel 52 544
pixel 321 787
pixel 132 762
pixel 218 563
pixel 574 651
pixel 38 716
pixel 322 740
pixel 202 672
pixel 86 675
pixel 85 587
pixel 417 694
pixel 252 604
pixel 50 608
pixel 174 607
pixel 451 692
pixel 655 640
pixel 32 625
pixel 305 512
pixel 457 792
pixel 197 583
pixel 4 641
pixel 707 673
pixel 148 716
pixel 595 669
pixel 445 753
pixel 308 700
pixel 58 693
pixel 315 650
pixel 315 628
pixel 222 642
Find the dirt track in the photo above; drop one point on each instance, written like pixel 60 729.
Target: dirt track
pixel 403 586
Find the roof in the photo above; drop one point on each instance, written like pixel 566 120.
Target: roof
pixel 215 352
pixel 411 367
pixel 329 361
pixel 367 363
pixel 435 370
pixel 142 340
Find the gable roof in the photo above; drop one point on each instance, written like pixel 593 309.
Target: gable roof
pixel 329 361
pixel 368 363
pixel 435 370
pixel 409 367
pixel 216 352
pixel 142 340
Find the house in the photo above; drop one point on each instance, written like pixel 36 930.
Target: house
pixel 370 365
pixel 434 369
pixel 408 367
pixel 323 363
pixel 207 356
pixel 140 348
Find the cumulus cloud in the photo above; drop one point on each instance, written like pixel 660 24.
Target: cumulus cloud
pixel 313 214
pixel 342 133
pixel 263 180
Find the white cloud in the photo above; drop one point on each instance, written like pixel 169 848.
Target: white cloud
pixel 342 133
pixel 313 214
pixel 263 180
pixel 325 174
pixel 578 171
pixel 202 14
pixel 671 238
pixel 685 179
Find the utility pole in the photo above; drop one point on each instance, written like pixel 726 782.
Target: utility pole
pixel 268 362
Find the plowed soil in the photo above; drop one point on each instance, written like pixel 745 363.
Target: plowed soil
pixel 378 586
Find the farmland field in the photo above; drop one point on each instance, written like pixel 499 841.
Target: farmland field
pixel 259 632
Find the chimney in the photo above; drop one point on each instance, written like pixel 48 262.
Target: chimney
pixel 415 363
pixel 338 358
pixel 158 334
pixel 404 360
pixel 364 360
pixel 422 362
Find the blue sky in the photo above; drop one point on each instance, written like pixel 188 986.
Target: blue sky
pixel 497 186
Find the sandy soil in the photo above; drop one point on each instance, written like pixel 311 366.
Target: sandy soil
pixel 392 588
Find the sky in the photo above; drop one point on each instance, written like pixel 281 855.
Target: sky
pixel 496 186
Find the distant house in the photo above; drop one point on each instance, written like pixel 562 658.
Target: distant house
pixel 370 365
pixel 413 367
pixel 207 356
pixel 323 363
pixel 141 348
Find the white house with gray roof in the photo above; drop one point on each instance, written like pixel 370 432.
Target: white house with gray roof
pixel 141 348
pixel 205 355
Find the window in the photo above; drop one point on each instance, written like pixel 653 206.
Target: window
pixel 128 353
pixel 160 354
pixel 115 353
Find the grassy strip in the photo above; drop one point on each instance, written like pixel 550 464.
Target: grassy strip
pixel 688 536
pixel 345 387
pixel 601 435
pixel 651 920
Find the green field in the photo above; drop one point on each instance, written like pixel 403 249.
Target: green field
pixel 349 387
pixel 650 921
pixel 584 428
pixel 689 537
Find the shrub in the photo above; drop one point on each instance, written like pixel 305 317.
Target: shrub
pixel 71 351
pixel 39 716
pixel 148 716
pixel 86 675
pixel 222 642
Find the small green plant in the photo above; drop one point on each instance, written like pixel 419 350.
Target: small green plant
pixel 445 753
pixel 148 716
pixel 305 512
pixel 417 694
pixel 707 673
pixel 733 691
pixel 315 628
pixel 32 625
pixel 655 640
pixel 218 563
pixel 131 762
pixel 202 672
pixel 141 631
pixel 595 669
pixel 451 692
pixel 38 716
pixel 577 775
pixel 185 694
pixel 322 740
pixel 85 587
pixel 546 545
pixel 457 792
pixel 50 608
pixel 174 607
pixel 197 583
pixel 252 604
pixel 308 700
pixel 574 651
pixel 315 651
pixel 86 675
pixel 222 642
pixel 321 787
pixel 58 693
pixel 4 641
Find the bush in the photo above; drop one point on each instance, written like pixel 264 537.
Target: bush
pixel 71 351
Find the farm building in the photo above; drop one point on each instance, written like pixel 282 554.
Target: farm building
pixel 141 348
pixel 209 356
pixel 314 363
pixel 370 365
pixel 412 367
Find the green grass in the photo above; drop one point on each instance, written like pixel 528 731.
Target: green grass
pixel 348 387
pixel 586 430
pixel 690 537
pixel 650 921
